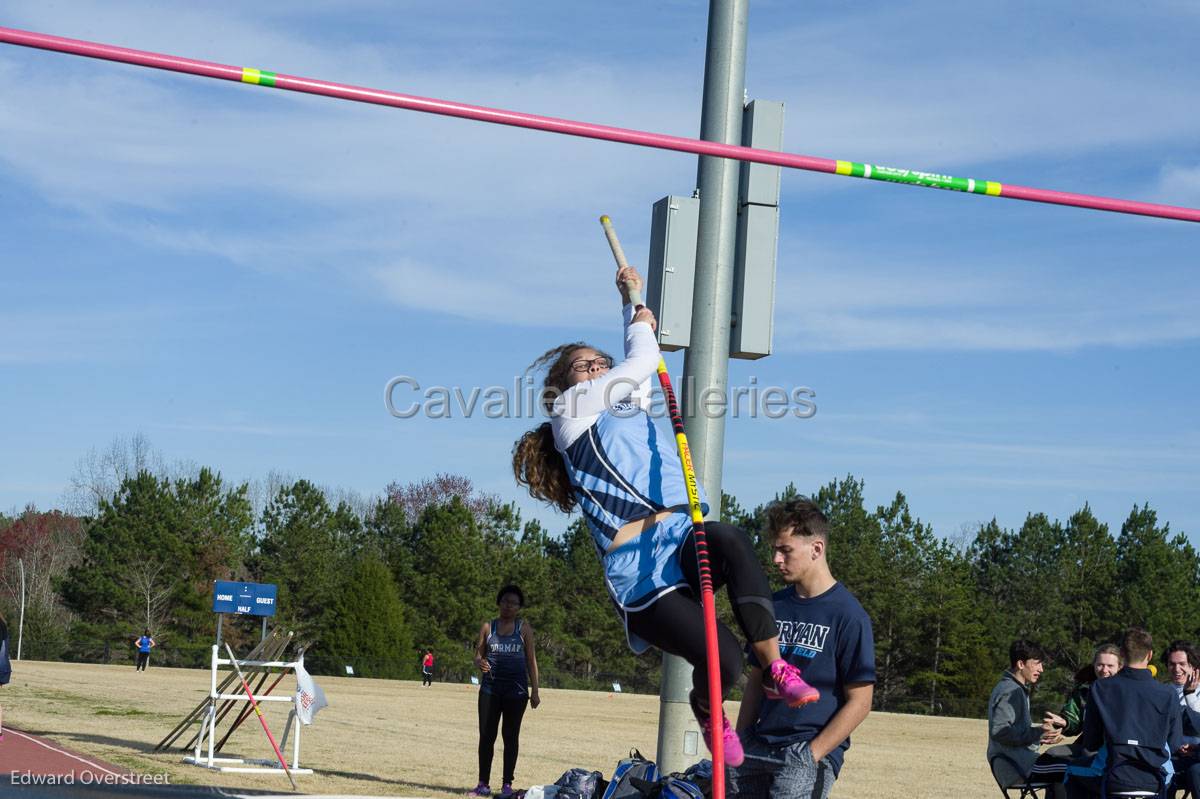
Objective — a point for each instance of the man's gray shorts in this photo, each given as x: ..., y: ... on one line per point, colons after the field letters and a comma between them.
x: 785, y: 771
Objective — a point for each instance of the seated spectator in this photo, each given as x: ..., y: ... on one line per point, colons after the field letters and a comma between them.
x: 1136, y: 720
x: 1183, y: 670
x: 1011, y: 732
x: 1069, y: 721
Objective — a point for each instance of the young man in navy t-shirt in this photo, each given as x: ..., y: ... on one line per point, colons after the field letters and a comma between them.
x: 797, y: 753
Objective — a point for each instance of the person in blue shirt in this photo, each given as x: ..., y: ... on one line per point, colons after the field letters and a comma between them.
x: 603, y: 454
x: 797, y: 753
x: 144, y: 644
x: 506, y: 655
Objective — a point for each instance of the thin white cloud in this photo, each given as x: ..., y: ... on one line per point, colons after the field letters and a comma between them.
x: 266, y: 430
x: 937, y: 101
x: 1180, y: 184
x: 47, y: 336
x: 509, y: 299
x: 887, y: 299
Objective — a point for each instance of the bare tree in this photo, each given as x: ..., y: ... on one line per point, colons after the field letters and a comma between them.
x: 48, y: 544
x: 99, y: 474
x: 262, y: 492
x: 356, y: 501
x: 154, y: 590
x: 414, y: 498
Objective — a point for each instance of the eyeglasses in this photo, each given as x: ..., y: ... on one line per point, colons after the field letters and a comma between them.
x: 585, y: 364
x: 510, y: 603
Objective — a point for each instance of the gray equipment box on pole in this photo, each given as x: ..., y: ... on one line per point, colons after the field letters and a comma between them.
x: 753, y: 309
x: 673, y: 229
x: 672, y: 269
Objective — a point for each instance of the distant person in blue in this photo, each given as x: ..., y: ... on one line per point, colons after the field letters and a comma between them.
x: 144, y: 644
x: 506, y: 655
x: 1137, y: 721
x: 5, y: 665
x: 797, y: 753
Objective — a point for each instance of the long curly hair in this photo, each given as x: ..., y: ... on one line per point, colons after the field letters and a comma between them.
x: 536, y: 463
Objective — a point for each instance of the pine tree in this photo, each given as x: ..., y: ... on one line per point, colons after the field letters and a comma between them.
x: 367, y: 627
x: 299, y: 553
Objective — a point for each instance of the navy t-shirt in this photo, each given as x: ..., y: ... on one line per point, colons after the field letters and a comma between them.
x: 828, y: 637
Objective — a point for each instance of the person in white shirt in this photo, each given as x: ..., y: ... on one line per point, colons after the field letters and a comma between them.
x: 1183, y: 671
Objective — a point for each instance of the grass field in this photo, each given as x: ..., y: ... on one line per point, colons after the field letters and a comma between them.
x: 397, y: 738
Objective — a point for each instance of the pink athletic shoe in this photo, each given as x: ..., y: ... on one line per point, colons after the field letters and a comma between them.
x: 733, y: 745
x: 787, y: 684
x: 734, y: 755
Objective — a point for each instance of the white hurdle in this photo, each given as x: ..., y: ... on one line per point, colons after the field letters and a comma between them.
x: 205, y: 755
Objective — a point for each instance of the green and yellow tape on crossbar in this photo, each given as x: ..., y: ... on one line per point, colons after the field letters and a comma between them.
x: 853, y: 169
x: 259, y: 77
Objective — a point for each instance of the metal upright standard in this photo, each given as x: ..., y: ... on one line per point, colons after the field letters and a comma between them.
x: 706, y: 364
x: 205, y: 751
x: 202, y: 708
x: 273, y: 651
x: 258, y: 692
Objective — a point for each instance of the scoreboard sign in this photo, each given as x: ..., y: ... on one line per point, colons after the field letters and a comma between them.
x: 246, y: 599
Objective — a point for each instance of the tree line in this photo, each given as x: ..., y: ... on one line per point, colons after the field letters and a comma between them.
x: 371, y: 585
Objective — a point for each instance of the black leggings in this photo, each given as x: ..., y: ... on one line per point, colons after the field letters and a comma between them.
x: 143, y: 659
x: 491, y: 709
x: 675, y: 622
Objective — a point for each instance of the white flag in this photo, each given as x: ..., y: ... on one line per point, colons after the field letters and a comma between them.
x: 309, y: 696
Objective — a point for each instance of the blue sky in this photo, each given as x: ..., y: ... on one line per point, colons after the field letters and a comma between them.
x: 236, y: 273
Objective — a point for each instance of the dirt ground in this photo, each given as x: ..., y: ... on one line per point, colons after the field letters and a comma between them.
x: 396, y: 738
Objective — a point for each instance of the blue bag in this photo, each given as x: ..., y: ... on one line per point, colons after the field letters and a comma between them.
x: 695, y: 783
x: 635, y: 777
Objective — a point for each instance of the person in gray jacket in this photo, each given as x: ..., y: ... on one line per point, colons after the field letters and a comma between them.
x: 1013, y: 738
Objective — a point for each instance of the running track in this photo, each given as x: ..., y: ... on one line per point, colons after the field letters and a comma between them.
x: 69, y: 775
x: 22, y: 753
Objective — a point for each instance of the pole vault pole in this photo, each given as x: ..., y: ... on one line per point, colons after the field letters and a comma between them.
x: 261, y: 718
x: 568, y: 127
x: 716, y: 710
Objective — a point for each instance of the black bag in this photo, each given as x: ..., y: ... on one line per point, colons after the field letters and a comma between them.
x: 579, y: 783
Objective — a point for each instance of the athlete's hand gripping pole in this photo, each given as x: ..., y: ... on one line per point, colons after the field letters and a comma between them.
x: 262, y: 720
x: 708, y: 601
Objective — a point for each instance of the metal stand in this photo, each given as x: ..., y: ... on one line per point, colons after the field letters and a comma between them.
x: 204, y: 754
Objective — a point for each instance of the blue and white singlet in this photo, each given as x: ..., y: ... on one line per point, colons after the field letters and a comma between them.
x: 624, y: 466
x: 507, y: 673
